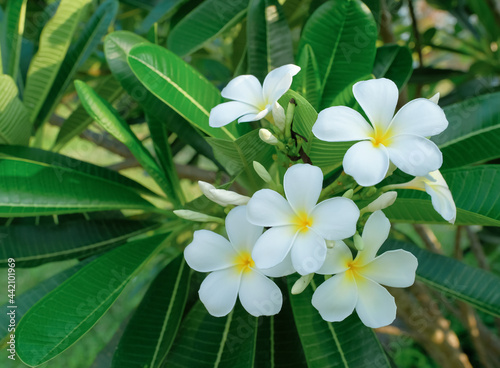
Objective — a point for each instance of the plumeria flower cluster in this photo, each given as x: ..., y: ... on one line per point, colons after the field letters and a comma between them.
x: 297, y: 228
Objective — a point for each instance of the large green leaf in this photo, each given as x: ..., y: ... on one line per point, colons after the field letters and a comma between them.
x: 307, y: 82
x: 475, y: 191
x: 203, y: 23
x: 473, y: 133
x: 269, y: 38
x: 54, y: 43
x: 161, y: 12
x: 14, y: 30
x: 33, y: 188
x: 152, y: 328
x: 342, y: 36
x: 95, y: 29
x: 180, y: 86
x: 104, y: 114
x: 454, y: 278
x: 63, y: 316
x: 15, y: 127
x: 345, y: 344
x: 117, y: 45
x: 393, y: 62
x: 32, y: 245
x: 206, y: 341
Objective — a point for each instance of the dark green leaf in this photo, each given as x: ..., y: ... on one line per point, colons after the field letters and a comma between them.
x: 15, y: 127
x: 161, y: 12
x: 393, y: 62
x: 14, y: 29
x: 307, y: 82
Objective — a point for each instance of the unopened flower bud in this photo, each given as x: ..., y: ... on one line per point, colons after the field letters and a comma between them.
x: 384, y: 201
x: 262, y: 172
x: 221, y: 196
x: 358, y: 242
x: 197, y: 216
x: 301, y: 284
x: 268, y: 137
x: 435, y: 98
x: 330, y: 243
x: 348, y: 194
x: 279, y: 116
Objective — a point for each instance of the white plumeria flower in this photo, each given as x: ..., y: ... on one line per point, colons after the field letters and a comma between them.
x: 400, y: 139
x: 222, y: 196
x: 435, y: 185
x: 233, y: 271
x: 253, y: 101
x: 356, y: 284
x: 299, y: 226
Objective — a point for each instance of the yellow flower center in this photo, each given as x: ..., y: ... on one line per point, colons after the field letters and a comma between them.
x: 381, y: 136
x: 244, y: 262
x: 302, y: 222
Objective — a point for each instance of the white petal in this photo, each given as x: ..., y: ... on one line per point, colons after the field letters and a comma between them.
x: 302, y: 184
x: 244, y: 88
x: 335, y: 218
x: 219, y: 290
x: 414, y: 155
x: 228, y: 112
x: 308, y: 252
x: 209, y: 252
x: 442, y: 201
x: 268, y: 208
x: 279, y: 116
x: 375, y: 306
x: 259, y: 295
x: 435, y: 98
x: 336, y: 298
x: 375, y: 233
x: 254, y: 116
x: 278, y: 81
x: 341, y: 124
x: 284, y: 268
x: 395, y: 268
x: 337, y: 259
x: 420, y: 117
x: 366, y: 164
x: 378, y: 99
x: 242, y: 234
x: 273, y: 246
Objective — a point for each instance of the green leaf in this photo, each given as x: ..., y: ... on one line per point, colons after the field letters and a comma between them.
x: 33, y: 188
x: 342, y: 36
x: 161, y: 12
x: 14, y: 30
x: 104, y: 114
x: 393, y: 62
x: 346, y: 344
x: 33, y: 245
x: 206, y: 341
x: 473, y: 133
x: 486, y: 13
x: 95, y: 29
x: 117, y: 45
x: 307, y: 82
x: 269, y: 38
x: 479, y: 288
x: 204, y: 23
x: 178, y: 85
x: 63, y: 316
x: 79, y: 119
x: 238, y: 156
x: 158, y: 317
x: 54, y: 43
x: 15, y: 127
x: 476, y: 195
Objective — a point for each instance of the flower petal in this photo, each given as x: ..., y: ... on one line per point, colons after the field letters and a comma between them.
x: 420, y: 117
x: 308, y: 252
x: 341, y: 124
x: 337, y: 259
x: 273, y: 246
x: 366, y: 164
x: 375, y: 306
x: 284, y: 268
x: 378, y: 99
x: 242, y: 234
x: 254, y: 116
x: 394, y: 268
x: 302, y: 184
x: 336, y: 298
x: 209, y: 252
x: 335, y: 218
x: 219, y: 290
x: 414, y: 155
x: 278, y: 81
x: 244, y: 88
x: 259, y: 295
x: 228, y: 112
x: 268, y: 208
x: 442, y: 201
x: 375, y: 233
